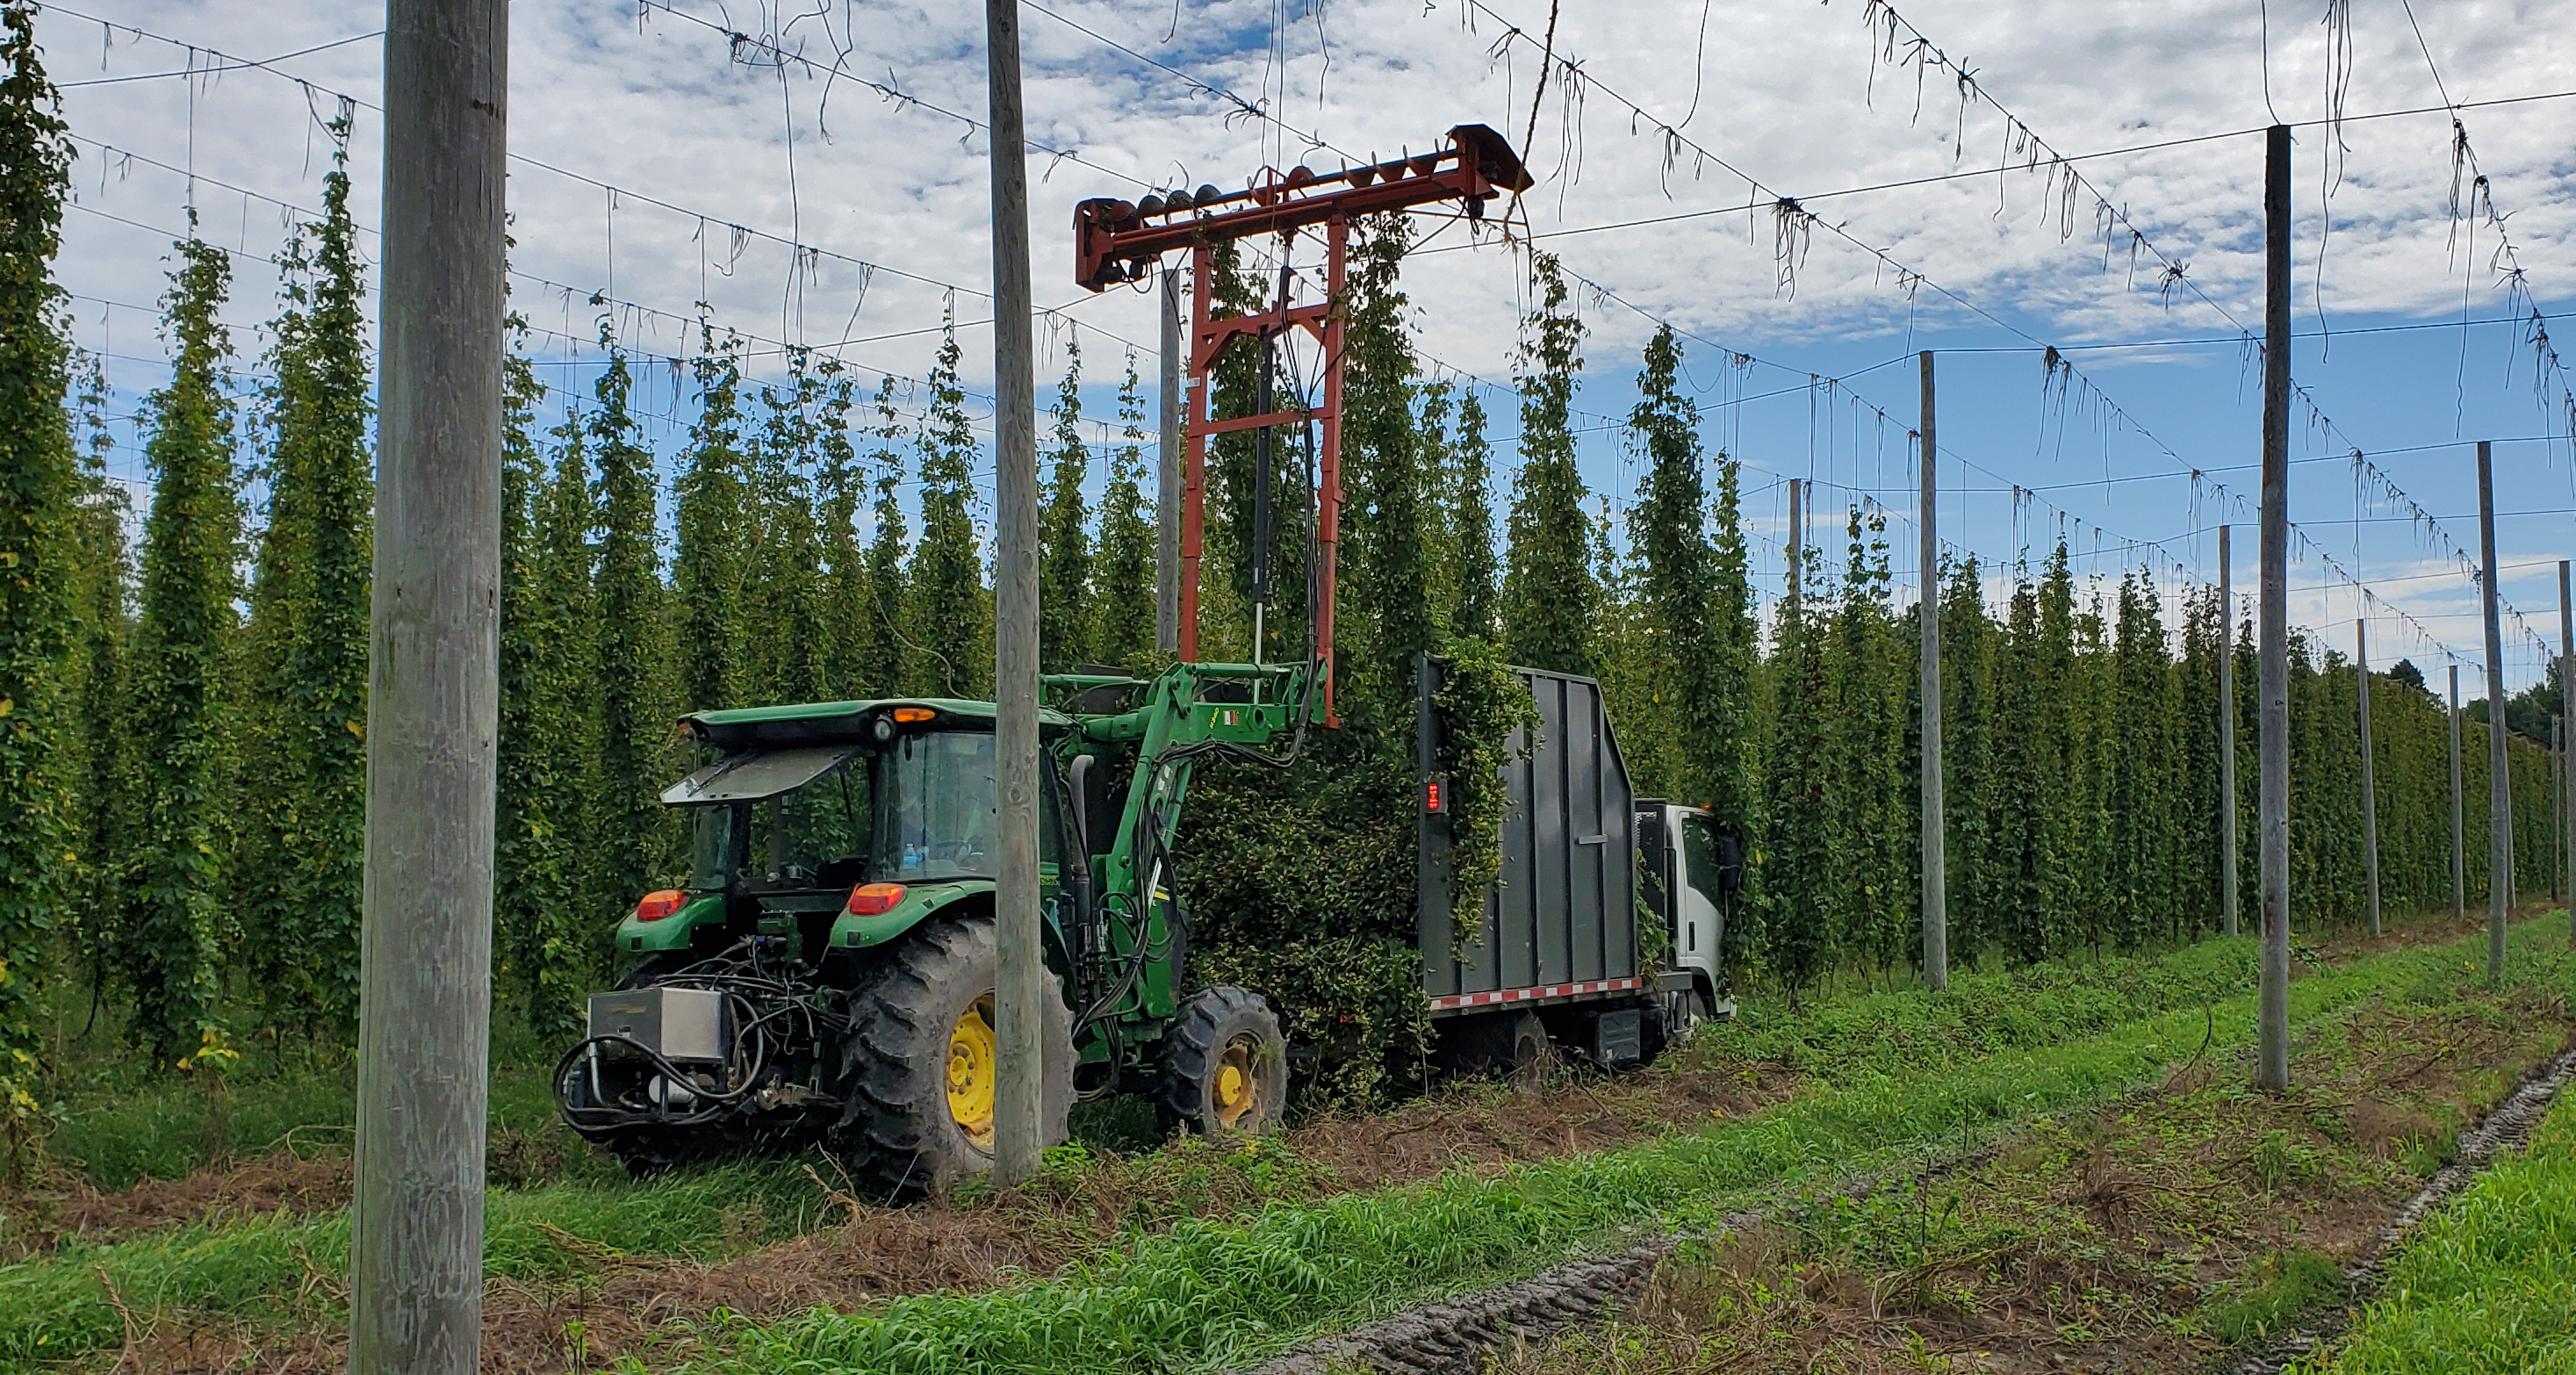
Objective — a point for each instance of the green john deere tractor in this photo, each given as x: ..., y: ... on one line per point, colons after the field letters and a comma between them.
x: 828, y: 972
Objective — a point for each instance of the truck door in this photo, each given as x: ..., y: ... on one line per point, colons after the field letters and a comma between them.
x: 1698, y: 897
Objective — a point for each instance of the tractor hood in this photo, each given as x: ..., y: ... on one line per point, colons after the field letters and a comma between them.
x: 757, y: 774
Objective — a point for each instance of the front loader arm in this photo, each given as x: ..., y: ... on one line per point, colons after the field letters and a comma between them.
x: 1127, y: 955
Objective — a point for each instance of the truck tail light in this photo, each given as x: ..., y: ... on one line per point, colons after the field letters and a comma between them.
x: 874, y: 899
x: 656, y: 906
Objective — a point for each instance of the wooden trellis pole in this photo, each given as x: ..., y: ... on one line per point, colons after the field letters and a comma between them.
x: 2369, y: 771
x: 2272, y: 1068
x: 1936, y: 915
x: 1021, y: 975
x: 1167, y: 488
x: 2499, y: 781
x: 433, y: 700
x: 2459, y: 845
x: 2226, y: 733
x: 2567, y: 748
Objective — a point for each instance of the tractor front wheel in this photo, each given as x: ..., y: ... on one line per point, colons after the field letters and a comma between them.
x: 920, y: 1066
x: 1224, y: 1065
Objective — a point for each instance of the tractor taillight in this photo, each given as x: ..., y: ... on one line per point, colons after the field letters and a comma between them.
x: 874, y: 899
x: 656, y: 906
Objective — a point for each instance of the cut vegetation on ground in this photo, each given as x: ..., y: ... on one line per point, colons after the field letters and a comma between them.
x: 1192, y: 1256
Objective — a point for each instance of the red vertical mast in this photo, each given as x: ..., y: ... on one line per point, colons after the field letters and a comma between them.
x: 1115, y: 240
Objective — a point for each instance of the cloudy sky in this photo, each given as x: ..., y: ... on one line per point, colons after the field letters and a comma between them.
x: 667, y: 155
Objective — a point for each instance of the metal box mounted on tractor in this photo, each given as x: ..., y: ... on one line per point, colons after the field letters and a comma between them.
x: 682, y: 1025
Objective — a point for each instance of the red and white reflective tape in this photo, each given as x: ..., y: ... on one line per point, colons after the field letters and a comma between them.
x: 1530, y: 995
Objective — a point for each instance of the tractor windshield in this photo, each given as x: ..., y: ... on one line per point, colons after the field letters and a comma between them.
x: 936, y: 809
x: 921, y: 809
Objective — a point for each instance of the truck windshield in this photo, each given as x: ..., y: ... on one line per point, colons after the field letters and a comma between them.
x: 1703, y: 868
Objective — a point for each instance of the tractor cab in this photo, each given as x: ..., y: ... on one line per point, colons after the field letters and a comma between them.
x: 817, y: 823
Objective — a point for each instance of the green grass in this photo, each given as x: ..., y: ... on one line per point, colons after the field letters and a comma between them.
x: 173, y: 1130
x: 277, y: 1269
x: 1210, y: 1294
x: 2487, y: 1283
x: 2285, y: 1286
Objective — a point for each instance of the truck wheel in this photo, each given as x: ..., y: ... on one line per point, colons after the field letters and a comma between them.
x: 920, y: 1065
x: 1224, y: 1065
x: 1524, y: 1049
x: 1512, y: 1044
x: 1683, y: 1012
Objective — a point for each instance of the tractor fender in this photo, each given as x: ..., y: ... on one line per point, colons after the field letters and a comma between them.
x: 672, y: 932
x: 964, y: 898
x: 920, y: 902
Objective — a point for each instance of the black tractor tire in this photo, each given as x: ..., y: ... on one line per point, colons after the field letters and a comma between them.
x: 1224, y: 1065
x: 909, y: 1034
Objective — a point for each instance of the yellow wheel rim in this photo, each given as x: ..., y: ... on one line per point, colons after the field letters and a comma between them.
x: 973, y: 1052
x: 1236, y: 1086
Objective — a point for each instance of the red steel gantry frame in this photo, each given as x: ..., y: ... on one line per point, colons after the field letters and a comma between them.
x: 1115, y: 240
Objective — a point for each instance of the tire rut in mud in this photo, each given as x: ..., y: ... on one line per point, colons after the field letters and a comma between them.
x: 1453, y: 1336
x: 2509, y: 1126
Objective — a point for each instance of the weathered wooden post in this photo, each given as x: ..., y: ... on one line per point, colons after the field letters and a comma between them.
x: 2459, y: 851
x: 1936, y: 913
x: 2272, y: 1069
x: 2226, y: 732
x: 1167, y: 487
x: 2499, y: 780
x: 2567, y: 748
x: 1020, y: 973
x: 2369, y: 771
x: 433, y: 700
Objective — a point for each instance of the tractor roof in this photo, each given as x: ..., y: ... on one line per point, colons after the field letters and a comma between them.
x: 824, y: 723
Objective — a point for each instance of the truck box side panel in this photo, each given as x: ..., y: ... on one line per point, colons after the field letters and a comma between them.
x: 1545, y: 789
x: 1564, y: 908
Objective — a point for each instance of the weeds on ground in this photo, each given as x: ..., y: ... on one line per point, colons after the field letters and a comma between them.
x: 2153, y: 1234
x: 2484, y: 1285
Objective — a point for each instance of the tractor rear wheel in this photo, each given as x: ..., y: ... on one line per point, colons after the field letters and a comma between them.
x: 1224, y: 1065
x: 919, y: 1068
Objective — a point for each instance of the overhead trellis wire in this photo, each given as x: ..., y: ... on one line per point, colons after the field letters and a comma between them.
x: 623, y: 192
x: 1896, y: 41
x: 2062, y: 372
x: 2478, y: 207
x: 838, y: 70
